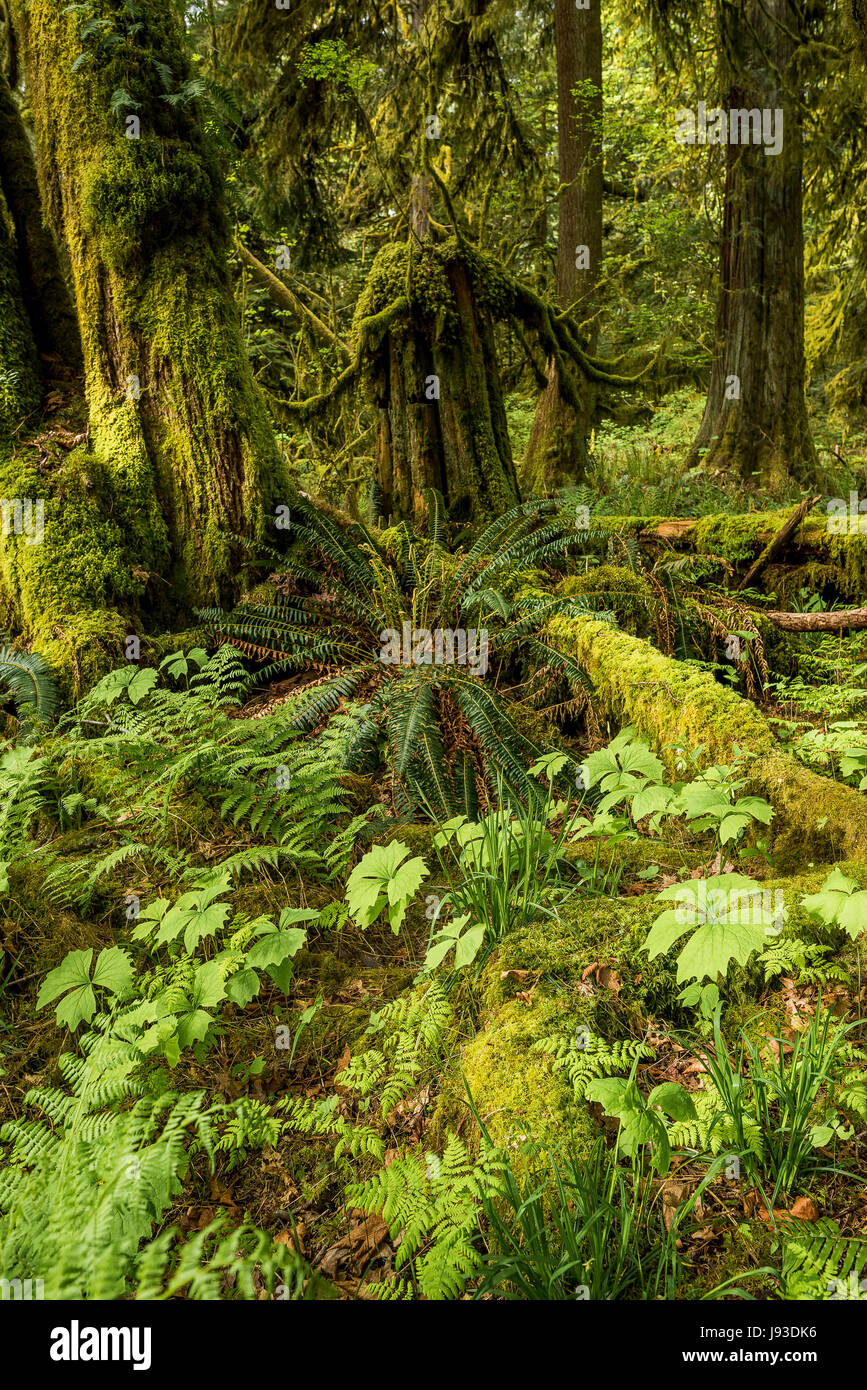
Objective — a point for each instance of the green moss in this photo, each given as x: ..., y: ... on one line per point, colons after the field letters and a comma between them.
x: 678, y: 706
x: 617, y: 589
x: 192, y: 459
x: 143, y: 193
x: 82, y: 647
x: 417, y: 838
x: 430, y: 295
x: 514, y: 1089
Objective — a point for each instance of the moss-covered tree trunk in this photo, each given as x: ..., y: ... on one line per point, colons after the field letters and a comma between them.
x: 755, y: 418
x: 441, y: 419
x: 43, y: 288
x: 20, y: 379
x: 132, y: 187
x: 557, y: 448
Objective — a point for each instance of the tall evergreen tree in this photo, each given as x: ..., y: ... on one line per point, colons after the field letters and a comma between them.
x: 557, y: 451
x: 755, y: 418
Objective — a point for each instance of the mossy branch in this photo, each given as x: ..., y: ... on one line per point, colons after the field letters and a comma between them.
x: 371, y: 331
x: 288, y: 299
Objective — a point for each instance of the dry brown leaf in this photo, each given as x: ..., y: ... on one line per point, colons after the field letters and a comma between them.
x: 364, y: 1239
x: 802, y: 1209
x: 675, y: 1191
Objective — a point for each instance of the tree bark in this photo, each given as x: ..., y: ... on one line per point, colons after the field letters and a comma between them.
x: 441, y: 418
x: 755, y: 418
x: 819, y: 622
x: 130, y: 184
x: 44, y: 290
x: 557, y: 448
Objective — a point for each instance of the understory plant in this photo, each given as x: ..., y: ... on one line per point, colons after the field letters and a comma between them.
x: 369, y: 633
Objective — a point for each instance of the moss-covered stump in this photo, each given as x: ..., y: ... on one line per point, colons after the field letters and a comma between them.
x: 677, y: 706
x: 537, y: 986
x: 441, y: 422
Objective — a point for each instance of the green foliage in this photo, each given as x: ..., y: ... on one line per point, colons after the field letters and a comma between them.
x: 807, y: 961
x: 729, y: 922
x: 819, y: 1262
x: 572, y: 1227
x: 29, y: 680
x: 642, y: 1120
x: 503, y: 869
x: 585, y: 1057
x: 841, y: 901
x: 768, y: 1105
x: 84, y: 1188
x: 432, y: 1203
x: 408, y: 1033
x: 402, y: 584
x: 384, y: 876
x: 113, y: 972
x: 256, y: 772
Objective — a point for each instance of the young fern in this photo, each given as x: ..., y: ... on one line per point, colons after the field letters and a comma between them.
x: 583, y: 1057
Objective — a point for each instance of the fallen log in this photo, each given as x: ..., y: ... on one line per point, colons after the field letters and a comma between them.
x: 679, y: 708
x: 819, y: 622
x: 778, y: 544
x: 736, y: 539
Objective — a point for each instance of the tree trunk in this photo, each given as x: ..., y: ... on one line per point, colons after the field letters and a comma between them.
x: 441, y: 418
x: 44, y: 290
x: 131, y: 186
x: 557, y: 448
x: 20, y: 377
x: 755, y: 418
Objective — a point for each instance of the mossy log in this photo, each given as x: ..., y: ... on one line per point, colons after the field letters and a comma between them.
x: 837, y: 556
x: 678, y: 706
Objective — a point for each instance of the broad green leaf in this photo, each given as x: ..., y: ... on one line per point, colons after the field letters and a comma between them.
x: 209, y: 986
x: 74, y: 969
x: 755, y: 807
x: 673, y: 1100
x: 204, y: 923
x: 437, y: 953
x: 703, y: 799
x: 637, y: 757
x: 468, y: 946
x: 711, y: 948
x: 732, y: 826
x: 141, y: 683
x: 282, y: 974
x: 667, y: 929
x: 407, y: 880
x: 276, y: 947
x: 78, y: 1007
x: 853, y: 914
x: 650, y: 799
x: 243, y: 987
x: 113, y: 970
x: 831, y: 898
x: 193, y: 1026
x: 290, y: 915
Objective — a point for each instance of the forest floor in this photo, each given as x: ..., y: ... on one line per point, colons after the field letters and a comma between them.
x: 397, y: 1120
